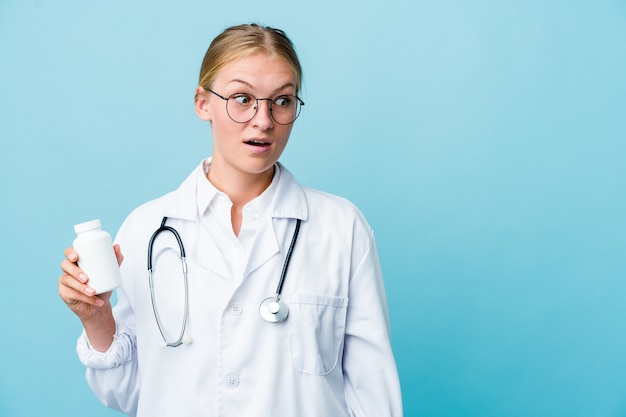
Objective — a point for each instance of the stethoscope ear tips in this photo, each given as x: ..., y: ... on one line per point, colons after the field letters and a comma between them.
x: 187, y: 340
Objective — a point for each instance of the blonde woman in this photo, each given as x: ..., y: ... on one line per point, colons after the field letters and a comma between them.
x: 264, y: 297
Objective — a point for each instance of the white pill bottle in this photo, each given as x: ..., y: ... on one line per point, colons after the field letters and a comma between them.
x: 96, y: 256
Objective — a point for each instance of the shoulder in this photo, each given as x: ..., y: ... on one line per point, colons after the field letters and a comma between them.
x: 151, y: 208
x: 318, y: 199
x: 340, y: 213
x: 180, y: 203
x: 321, y: 207
x: 145, y: 217
x: 337, y: 226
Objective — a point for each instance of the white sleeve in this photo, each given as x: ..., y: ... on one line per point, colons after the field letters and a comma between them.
x: 120, y: 352
x: 370, y: 373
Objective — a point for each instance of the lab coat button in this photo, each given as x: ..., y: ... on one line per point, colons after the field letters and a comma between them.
x: 236, y: 310
x: 232, y: 381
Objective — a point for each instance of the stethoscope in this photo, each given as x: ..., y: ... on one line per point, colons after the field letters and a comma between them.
x: 273, y: 309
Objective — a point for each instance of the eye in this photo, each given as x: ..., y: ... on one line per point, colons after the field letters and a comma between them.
x: 283, y: 101
x: 242, y: 99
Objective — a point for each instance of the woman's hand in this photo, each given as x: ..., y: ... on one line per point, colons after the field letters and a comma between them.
x: 94, y: 311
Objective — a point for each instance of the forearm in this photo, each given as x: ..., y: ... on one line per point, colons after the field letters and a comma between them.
x: 100, y: 328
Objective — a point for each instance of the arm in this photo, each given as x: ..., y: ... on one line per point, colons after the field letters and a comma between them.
x: 370, y: 374
x: 107, y: 345
x: 113, y: 375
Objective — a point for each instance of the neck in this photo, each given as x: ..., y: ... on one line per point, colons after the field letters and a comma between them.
x: 240, y: 188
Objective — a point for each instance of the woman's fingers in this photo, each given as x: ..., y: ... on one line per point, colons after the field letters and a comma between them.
x: 118, y: 254
x: 70, y: 265
x: 70, y: 281
x: 73, y: 290
x: 74, y: 287
x: 73, y: 270
x: 71, y: 254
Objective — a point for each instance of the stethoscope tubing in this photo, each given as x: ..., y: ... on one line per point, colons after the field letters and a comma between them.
x: 183, y: 259
x: 283, y: 273
x: 273, y: 311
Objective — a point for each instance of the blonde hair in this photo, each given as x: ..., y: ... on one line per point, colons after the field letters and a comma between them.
x: 241, y: 41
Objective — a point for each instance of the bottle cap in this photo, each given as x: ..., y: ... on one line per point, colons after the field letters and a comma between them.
x: 90, y: 225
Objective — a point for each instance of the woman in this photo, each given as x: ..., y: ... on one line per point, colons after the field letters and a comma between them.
x: 319, y: 343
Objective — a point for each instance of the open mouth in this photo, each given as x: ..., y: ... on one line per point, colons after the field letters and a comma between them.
x: 259, y: 143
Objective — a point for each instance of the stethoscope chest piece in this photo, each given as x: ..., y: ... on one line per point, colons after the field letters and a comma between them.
x: 273, y: 310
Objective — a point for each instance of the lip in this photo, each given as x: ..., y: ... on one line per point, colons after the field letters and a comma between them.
x: 258, y: 145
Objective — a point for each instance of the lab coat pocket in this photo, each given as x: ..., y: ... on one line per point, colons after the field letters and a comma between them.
x: 316, y: 330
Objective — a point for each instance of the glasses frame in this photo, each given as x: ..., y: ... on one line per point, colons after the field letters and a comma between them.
x: 256, y: 106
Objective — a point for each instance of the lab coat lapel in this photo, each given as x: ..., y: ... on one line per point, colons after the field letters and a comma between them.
x: 265, y: 246
x: 206, y: 252
x: 183, y: 204
x: 274, y: 234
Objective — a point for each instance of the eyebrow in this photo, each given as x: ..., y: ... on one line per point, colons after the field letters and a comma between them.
x: 282, y: 87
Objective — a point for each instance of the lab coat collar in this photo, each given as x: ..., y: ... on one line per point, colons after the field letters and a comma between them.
x: 289, y: 202
x: 289, y: 199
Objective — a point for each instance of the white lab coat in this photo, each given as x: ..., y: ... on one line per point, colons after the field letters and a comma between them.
x: 331, y: 357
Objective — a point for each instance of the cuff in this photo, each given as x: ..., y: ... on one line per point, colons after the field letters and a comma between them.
x: 120, y: 352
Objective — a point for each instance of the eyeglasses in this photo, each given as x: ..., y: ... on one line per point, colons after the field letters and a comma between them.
x: 242, y: 107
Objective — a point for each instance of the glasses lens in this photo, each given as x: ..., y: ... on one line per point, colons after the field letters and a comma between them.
x: 285, y: 109
x: 241, y: 107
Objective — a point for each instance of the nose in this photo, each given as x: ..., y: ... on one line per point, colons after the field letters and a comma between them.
x: 263, y: 117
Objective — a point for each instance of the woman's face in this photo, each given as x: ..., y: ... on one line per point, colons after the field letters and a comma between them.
x: 255, y: 146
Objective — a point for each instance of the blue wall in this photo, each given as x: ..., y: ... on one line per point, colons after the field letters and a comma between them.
x: 484, y: 141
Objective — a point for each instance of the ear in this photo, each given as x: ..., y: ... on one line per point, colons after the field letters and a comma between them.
x: 202, y: 105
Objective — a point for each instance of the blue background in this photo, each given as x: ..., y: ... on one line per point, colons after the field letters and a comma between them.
x: 484, y: 141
